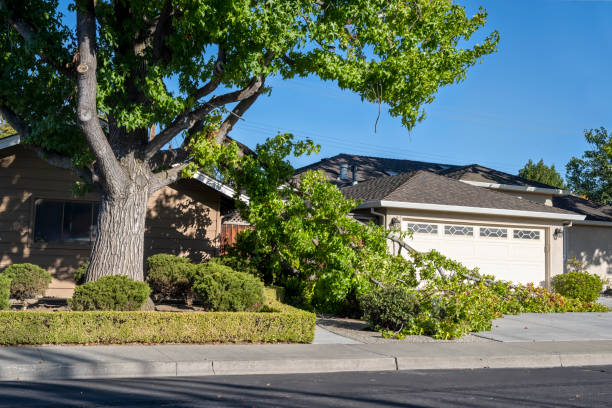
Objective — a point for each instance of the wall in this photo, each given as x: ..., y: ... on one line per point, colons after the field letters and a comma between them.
x: 592, y: 245
x: 182, y: 218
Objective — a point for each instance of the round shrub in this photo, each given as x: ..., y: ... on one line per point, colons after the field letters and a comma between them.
x: 79, y: 273
x: 27, y: 280
x: 578, y: 285
x: 170, y: 276
x: 5, y: 292
x: 390, y: 308
x: 222, y: 289
x: 116, y: 292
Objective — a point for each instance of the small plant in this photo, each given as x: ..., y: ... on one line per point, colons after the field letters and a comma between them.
x: 170, y: 276
x: 79, y: 273
x: 578, y: 285
x: 116, y: 292
x: 5, y: 292
x: 222, y: 289
x: 391, y: 308
x: 27, y: 280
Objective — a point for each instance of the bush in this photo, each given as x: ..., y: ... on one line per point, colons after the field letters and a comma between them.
x: 390, y: 308
x: 27, y: 280
x: 578, y: 285
x: 170, y: 276
x: 237, y: 263
x: 222, y: 289
x: 79, y: 273
x: 5, y: 292
x: 282, y: 323
x: 110, y: 293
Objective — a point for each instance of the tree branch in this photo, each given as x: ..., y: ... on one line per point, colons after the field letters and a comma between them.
x: 15, y: 121
x: 87, y: 112
x: 167, y: 177
x: 236, y: 114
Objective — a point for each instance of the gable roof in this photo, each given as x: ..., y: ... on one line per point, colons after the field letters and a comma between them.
x: 593, y: 211
x: 371, y: 167
x: 428, y: 190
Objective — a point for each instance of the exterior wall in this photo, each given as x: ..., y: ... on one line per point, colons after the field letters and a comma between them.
x: 553, y: 247
x: 182, y: 219
x: 592, y: 245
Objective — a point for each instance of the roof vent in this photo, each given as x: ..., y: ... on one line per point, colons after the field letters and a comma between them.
x: 354, y: 172
x: 343, y: 172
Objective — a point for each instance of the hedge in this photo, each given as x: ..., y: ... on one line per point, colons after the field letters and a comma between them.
x: 280, y: 323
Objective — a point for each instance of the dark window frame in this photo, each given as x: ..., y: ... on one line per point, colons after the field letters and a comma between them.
x: 64, y: 242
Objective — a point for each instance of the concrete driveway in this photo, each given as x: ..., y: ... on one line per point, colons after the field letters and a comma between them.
x: 552, y: 327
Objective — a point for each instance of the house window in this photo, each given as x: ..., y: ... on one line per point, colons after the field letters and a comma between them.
x: 526, y: 234
x: 423, y: 228
x: 459, y: 230
x: 493, y: 232
x: 65, y: 221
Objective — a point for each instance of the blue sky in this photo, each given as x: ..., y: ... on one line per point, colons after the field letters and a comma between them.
x: 532, y: 99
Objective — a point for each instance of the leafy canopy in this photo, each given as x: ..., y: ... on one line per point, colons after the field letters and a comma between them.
x: 591, y: 174
x: 542, y: 174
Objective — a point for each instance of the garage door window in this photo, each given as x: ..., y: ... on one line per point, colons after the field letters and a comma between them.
x: 459, y: 230
x: 423, y: 228
x: 526, y: 234
x: 493, y: 232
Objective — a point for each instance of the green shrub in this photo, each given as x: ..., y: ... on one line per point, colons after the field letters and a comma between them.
x: 27, y: 280
x: 5, y: 292
x: 110, y: 293
x: 222, y: 289
x: 237, y: 263
x: 281, y: 323
x: 390, y: 308
x: 170, y: 276
x: 578, y: 285
x: 79, y: 273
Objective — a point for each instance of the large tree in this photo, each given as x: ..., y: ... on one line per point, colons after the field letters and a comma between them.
x: 591, y: 174
x: 88, y: 96
x: 542, y: 173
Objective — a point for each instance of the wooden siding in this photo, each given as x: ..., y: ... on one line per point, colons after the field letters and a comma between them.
x: 229, y: 232
x: 182, y: 219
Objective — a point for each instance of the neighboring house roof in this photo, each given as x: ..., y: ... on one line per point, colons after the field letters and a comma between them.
x: 593, y: 211
x: 478, y: 173
x: 426, y: 190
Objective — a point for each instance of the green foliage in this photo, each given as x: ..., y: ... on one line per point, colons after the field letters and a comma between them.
x: 5, y: 291
x: 170, y: 276
x: 79, y: 273
x: 542, y: 174
x: 237, y: 263
x: 222, y: 289
x: 591, y: 175
x: 27, y: 280
x: 280, y: 323
x: 5, y: 129
x: 390, y: 308
x: 578, y: 285
x: 116, y: 292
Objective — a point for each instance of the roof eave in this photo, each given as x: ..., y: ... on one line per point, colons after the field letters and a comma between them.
x: 594, y: 223
x: 471, y: 210
x: 220, y: 187
x: 10, y: 141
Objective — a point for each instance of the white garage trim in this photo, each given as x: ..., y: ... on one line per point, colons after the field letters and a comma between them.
x: 472, y: 210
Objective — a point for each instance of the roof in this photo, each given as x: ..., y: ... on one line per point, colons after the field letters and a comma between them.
x: 428, y: 188
x: 593, y: 211
x: 372, y: 167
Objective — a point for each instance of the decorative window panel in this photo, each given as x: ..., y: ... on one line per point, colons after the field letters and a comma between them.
x: 526, y: 234
x: 423, y: 228
x: 459, y: 230
x: 493, y: 232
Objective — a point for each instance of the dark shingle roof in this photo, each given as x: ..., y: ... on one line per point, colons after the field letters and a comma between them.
x: 429, y: 188
x: 593, y: 211
x: 372, y: 167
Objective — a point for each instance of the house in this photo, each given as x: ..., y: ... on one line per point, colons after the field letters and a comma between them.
x: 41, y: 222
x: 510, y: 227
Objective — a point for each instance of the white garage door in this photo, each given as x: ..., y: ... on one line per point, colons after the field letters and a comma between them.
x: 508, y: 253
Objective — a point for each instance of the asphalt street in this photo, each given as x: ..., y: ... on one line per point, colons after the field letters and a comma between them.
x: 552, y: 387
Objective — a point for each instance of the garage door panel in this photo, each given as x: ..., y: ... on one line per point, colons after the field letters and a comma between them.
x: 523, y: 251
x: 491, y: 251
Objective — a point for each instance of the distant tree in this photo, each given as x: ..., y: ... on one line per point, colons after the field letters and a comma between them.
x: 542, y: 174
x: 591, y: 175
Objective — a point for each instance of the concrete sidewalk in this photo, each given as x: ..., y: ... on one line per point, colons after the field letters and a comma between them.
x: 76, y: 362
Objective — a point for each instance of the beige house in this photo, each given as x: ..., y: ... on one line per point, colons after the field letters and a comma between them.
x: 512, y: 228
x: 41, y: 222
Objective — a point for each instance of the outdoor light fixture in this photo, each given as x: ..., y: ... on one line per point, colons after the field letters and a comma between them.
x: 558, y: 232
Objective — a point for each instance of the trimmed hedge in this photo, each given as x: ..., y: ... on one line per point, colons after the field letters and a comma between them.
x: 117, y: 292
x: 282, y: 323
x: 222, y: 289
x: 5, y: 292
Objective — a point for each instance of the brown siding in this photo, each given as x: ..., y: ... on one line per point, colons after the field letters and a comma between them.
x: 181, y: 219
x: 229, y: 232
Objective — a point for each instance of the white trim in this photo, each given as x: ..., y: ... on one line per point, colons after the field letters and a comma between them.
x: 472, y: 210
x: 594, y: 223
x: 220, y: 187
x: 512, y: 187
x: 9, y: 141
